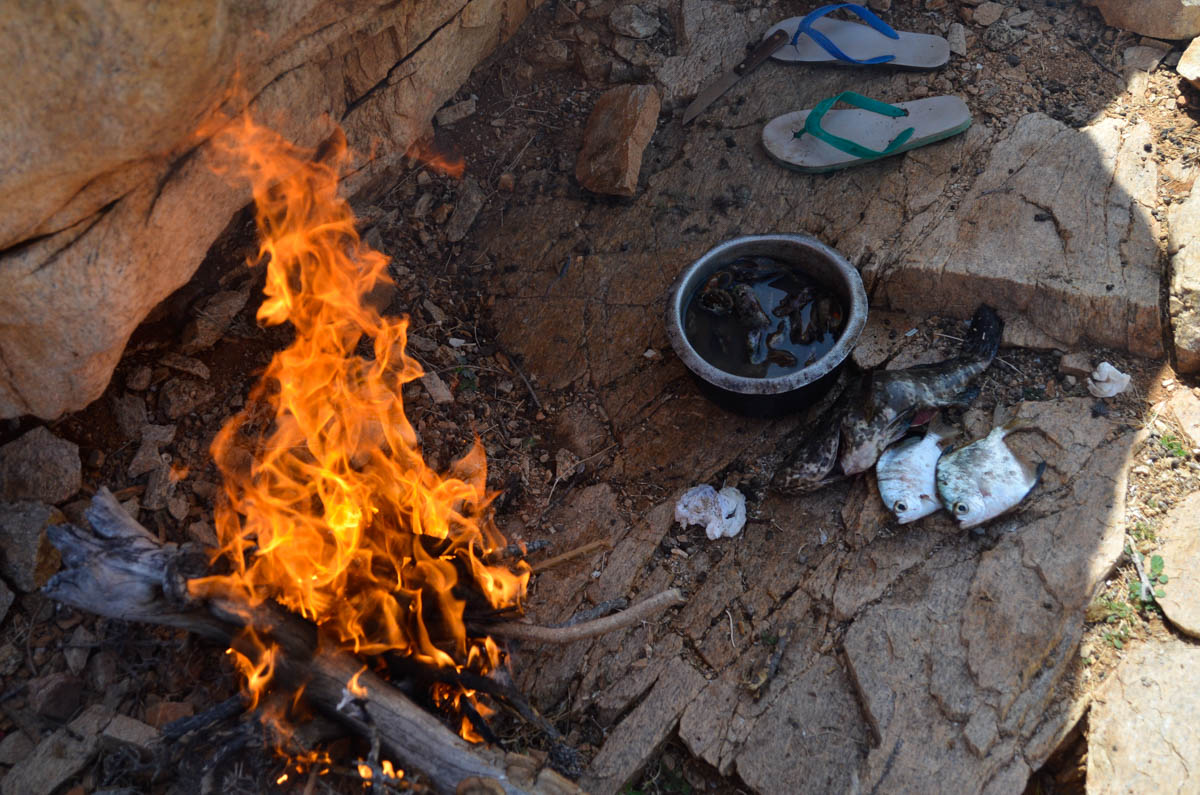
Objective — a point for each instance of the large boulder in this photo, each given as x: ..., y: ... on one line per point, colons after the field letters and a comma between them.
x: 1162, y: 19
x: 112, y: 196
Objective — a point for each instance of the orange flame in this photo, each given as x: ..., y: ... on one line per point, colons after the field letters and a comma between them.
x: 337, y: 517
x: 425, y: 153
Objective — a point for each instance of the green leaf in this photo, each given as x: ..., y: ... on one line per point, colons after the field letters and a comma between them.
x: 1160, y: 593
x: 1117, y: 642
x: 1162, y: 578
x: 1156, y: 565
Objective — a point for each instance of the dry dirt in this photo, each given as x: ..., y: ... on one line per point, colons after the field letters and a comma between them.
x: 531, y: 111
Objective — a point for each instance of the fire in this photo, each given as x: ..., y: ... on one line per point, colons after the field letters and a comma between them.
x: 434, y: 160
x: 330, y: 509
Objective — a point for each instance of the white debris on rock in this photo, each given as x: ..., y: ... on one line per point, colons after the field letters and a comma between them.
x: 1107, y: 381
x: 722, y: 513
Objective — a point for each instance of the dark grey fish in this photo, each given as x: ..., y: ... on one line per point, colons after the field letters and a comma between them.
x: 888, y: 400
x: 792, y: 303
x: 754, y: 320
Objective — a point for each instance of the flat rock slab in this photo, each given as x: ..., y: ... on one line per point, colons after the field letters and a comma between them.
x: 1143, y: 735
x: 1184, y: 299
x: 1180, y: 549
x: 1058, y: 229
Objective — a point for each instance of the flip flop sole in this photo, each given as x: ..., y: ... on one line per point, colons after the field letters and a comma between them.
x: 932, y: 119
x: 912, y: 50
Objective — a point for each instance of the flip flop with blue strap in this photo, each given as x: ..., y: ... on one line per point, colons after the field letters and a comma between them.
x: 821, y: 39
x: 822, y: 139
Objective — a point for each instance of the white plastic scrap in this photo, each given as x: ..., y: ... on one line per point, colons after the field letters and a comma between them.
x: 722, y: 513
x: 1107, y: 381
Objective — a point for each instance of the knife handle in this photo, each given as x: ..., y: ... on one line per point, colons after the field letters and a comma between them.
x: 762, y: 52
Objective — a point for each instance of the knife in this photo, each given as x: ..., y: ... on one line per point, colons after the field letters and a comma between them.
x: 754, y: 60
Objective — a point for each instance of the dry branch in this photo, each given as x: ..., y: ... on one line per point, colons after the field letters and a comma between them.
x: 590, y: 629
x: 120, y: 570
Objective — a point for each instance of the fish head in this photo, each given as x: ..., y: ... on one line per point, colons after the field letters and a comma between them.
x: 970, y: 511
x: 910, y: 508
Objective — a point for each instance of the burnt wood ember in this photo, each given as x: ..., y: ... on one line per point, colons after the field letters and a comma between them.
x: 120, y: 570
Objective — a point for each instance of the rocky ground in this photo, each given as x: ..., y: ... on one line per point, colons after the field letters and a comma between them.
x: 824, y: 644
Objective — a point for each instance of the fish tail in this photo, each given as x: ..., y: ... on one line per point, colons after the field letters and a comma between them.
x: 983, y: 337
x: 965, y: 398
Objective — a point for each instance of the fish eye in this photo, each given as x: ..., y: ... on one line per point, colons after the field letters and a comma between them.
x: 900, y: 506
x: 960, y: 508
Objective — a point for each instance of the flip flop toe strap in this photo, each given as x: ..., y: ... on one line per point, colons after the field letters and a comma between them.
x: 812, y: 125
x: 805, y: 27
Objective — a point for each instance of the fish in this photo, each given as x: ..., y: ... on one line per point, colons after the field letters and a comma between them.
x: 810, y: 465
x: 754, y: 320
x: 984, y: 479
x: 906, y: 472
x: 888, y: 400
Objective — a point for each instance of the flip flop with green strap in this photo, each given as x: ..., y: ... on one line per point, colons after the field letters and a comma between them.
x: 822, y: 139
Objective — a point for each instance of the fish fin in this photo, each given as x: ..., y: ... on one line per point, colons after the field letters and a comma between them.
x: 983, y: 337
x: 1019, y: 424
x: 923, y: 416
x: 940, y: 427
x: 1041, y: 470
x: 964, y: 398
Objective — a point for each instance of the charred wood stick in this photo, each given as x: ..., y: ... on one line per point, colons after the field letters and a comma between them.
x: 570, y: 554
x: 120, y: 570
x: 590, y: 629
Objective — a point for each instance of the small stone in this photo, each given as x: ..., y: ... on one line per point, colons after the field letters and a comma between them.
x: 563, y: 15
x: 1143, y: 58
x: 1189, y: 63
x: 1077, y: 364
x: 186, y: 364
x: 14, y: 747
x: 164, y: 712
x: 139, y: 379
x: 566, y: 464
x: 178, y: 507
x: 435, y: 312
x: 1021, y: 18
x: 56, y: 759
x: 211, y: 319
x: 507, y: 182
x: 123, y: 730
x: 1000, y: 36
x: 437, y: 389
x: 148, y: 457
x: 442, y: 213
x: 55, y: 696
x: 103, y: 670
x: 880, y: 5
x: 78, y: 649
x: 422, y: 344
x: 40, y: 466
x: 181, y: 396
x: 618, y: 130
x: 130, y: 412
x: 160, y: 486
x: 935, y: 5
x: 470, y: 201
x: 957, y: 38
x: 552, y: 53
x: 988, y: 13
x: 456, y: 112
x: 27, y: 558
x: 202, y: 533
x: 630, y: 20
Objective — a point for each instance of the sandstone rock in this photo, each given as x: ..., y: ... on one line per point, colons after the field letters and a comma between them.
x: 436, y: 387
x: 14, y: 747
x: 58, y: 757
x: 123, y: 730
x: 181, y: 396
x: 212, y: 318
x: 55, y: 696
x: 1162, y: 19
x: 27, y: 558
x: 1180, y: 549
x: 1078, y: 364
x: 1184, y: 298
x: 470, y: 201
x: 1058, y: 229
x: 1189, y: 65
x: 119, y: 204
x: 988, y: 13
x: 130, y: 412
x: 39, y: 466
x: 630, y: 20
x: 618, y: 130
x: 1142, y: 731
x: 139, y: 379
x: 455, y: 113
x: 185, y: 364
x: 78, y: 649
x: 148, y: 458
x: 1143, y: 58
x: 957, y: 37
x: 1185, y: 405
x: 999, y: 36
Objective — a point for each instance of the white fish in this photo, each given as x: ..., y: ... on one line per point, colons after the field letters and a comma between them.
x: 906, y: 473
x: 984, y: 479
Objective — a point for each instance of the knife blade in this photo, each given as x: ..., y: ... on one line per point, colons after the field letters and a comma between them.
x: 722, y: 84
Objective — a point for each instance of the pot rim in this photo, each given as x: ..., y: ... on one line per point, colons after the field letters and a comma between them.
x: 856, y: 315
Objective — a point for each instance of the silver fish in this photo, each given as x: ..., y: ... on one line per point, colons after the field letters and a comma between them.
x: 905, y: 473
x: 984, y: 479
x: 889, y: 400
